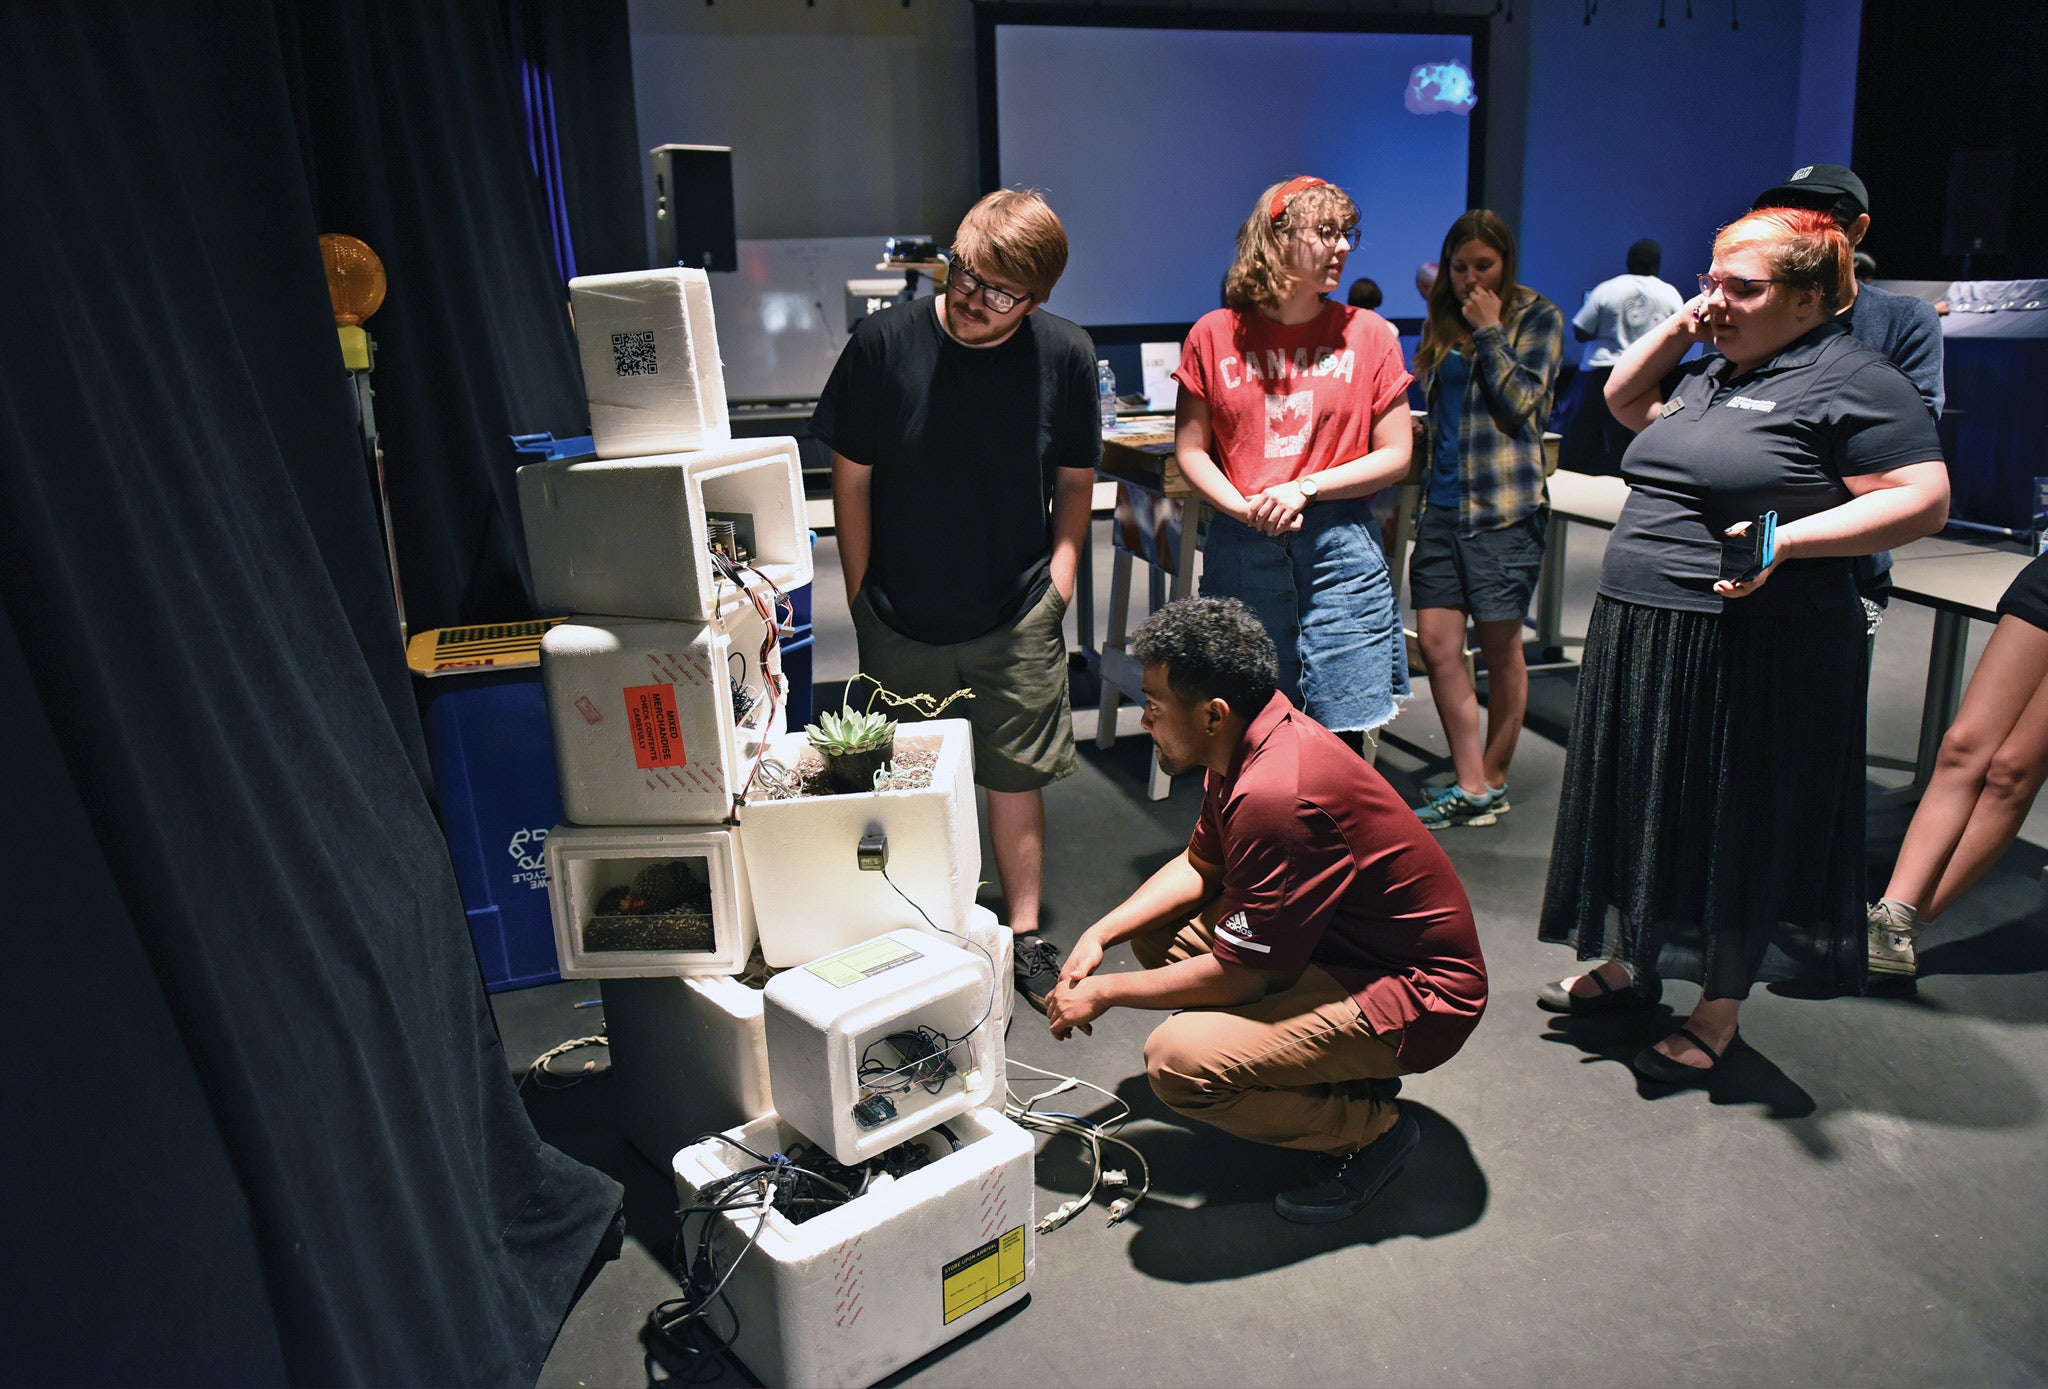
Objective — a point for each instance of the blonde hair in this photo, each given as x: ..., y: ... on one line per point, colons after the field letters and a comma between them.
x: 1014, y: 235
x: 1259, y: 277
x: 1446, y: 328
x: 1805, y: 249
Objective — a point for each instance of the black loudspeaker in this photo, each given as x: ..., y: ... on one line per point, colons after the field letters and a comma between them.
x: 693, y: 215
x: 1979, y: 206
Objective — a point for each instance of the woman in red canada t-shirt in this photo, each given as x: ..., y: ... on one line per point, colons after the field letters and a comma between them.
x: 1293, y: 411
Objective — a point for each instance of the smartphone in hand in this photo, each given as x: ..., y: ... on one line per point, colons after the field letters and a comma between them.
x: 1745, y: 556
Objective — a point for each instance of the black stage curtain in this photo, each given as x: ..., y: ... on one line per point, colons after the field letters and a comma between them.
x: 410, y: 122
x: 587, y: 49
x: 266, y: 1131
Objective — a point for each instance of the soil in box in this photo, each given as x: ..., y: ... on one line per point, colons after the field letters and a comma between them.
x: 666, y: 907
x: 913, y: 771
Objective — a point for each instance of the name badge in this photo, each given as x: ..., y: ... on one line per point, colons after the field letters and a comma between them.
x: 1671, y: 407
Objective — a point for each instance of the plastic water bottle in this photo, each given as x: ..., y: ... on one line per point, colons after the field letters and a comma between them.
x: 1105, y: 390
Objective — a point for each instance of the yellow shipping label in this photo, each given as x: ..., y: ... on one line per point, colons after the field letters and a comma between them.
x: 849, y: 967
x: 986, y: 1273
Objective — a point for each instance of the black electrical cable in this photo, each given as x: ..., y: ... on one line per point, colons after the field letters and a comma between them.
x: 875, y: 1076
x: 993, y: 983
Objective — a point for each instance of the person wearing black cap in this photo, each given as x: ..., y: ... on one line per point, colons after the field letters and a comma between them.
x: 1615, y: 314
x: 1905, y: 330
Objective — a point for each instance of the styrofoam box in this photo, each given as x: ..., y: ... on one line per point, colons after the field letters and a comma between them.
x: 688, y: 1057
x: 863, y: 1289
x: 826, y: 1017
x: 812, y: 896
x: 649, y: 345
x: 584, y: 863
x: 629, y: 536
x: 642, y: 715
x: 982, y: 928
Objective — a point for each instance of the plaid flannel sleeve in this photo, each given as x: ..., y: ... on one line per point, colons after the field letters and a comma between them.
x: 1514, y: 369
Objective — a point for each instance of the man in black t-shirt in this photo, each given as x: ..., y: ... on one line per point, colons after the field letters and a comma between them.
x: 965, y: 433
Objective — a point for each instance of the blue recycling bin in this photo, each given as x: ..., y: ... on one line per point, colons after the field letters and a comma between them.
x: 493, y: 759
x: 796, y: 669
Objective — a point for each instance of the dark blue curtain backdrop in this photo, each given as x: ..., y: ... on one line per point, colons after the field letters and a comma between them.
x: 267, y: 1133
x: 543, y: 145
x: 575, y: 64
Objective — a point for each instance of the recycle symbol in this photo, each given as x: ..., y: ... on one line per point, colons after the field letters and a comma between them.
x: 520, y: 840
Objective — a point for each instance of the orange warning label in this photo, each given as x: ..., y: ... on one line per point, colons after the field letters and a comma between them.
x: 656, y: 728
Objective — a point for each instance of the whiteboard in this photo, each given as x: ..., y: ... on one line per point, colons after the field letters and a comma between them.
x: 782, y: 315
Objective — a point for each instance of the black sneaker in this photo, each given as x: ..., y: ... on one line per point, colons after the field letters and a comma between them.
x: 1350, y: 1181
x: 1035, y: 969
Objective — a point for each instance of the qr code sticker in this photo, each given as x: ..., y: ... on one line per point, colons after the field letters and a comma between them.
x: 633, y: 354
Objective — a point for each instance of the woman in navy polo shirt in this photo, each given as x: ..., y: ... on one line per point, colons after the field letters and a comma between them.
x: 1711, y: 822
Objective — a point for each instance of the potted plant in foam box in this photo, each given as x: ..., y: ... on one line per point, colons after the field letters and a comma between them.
x: 854, y: 746
x: 811, y: 896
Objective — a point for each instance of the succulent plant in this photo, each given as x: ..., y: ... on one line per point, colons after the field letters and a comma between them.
x: 847, y: 731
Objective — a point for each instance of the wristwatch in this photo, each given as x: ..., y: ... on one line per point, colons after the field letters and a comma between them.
x: 1308, y: 490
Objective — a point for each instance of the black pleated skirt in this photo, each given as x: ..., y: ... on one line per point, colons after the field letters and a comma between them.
x: 1711, y: 822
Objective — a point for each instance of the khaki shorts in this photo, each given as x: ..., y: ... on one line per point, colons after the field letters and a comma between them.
x: 1023, y: 725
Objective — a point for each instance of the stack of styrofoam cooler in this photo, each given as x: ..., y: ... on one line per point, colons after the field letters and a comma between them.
x: 640, y: 685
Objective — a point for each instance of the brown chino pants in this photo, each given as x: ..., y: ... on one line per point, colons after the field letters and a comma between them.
x: 1277, y: 1070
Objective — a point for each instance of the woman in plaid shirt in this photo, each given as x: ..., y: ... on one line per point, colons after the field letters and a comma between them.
x: 1489, y: 360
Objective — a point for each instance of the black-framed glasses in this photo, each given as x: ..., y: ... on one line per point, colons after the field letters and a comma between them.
x: 1733, y: 286
x: 998, y: 300
x: 1330, y: 234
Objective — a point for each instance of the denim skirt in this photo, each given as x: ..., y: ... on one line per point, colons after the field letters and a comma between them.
x: 1324, y: 594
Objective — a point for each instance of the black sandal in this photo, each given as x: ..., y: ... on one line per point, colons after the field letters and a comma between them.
x: 1558, y: 998
x: 1652, y: 1064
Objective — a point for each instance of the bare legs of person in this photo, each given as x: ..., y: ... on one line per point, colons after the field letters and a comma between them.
x: 1991, y: 766
x: 1482, y: 764
x: 1016, y: 827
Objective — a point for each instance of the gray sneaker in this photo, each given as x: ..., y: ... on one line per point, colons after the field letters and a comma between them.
x: 1892, y: 930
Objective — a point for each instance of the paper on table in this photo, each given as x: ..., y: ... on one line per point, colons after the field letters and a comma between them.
x: 1159, y: 359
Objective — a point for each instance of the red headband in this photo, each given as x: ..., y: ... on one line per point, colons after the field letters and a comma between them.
x: 1289, y: 191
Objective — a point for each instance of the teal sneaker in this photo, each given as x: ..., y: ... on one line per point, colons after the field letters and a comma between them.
x: 1450, y: 805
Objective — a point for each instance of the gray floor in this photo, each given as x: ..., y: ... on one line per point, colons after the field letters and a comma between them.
x: 1857, y: 1200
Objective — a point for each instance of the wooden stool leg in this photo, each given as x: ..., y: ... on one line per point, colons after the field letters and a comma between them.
x: 1113, y: 641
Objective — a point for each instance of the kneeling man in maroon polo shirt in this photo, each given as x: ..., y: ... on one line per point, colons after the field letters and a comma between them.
x: 1315, y: 939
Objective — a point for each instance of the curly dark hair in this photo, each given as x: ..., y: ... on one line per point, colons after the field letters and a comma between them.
x: 1212, y: 648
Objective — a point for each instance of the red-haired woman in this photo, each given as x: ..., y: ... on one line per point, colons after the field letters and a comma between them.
x: 1711, y: 822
